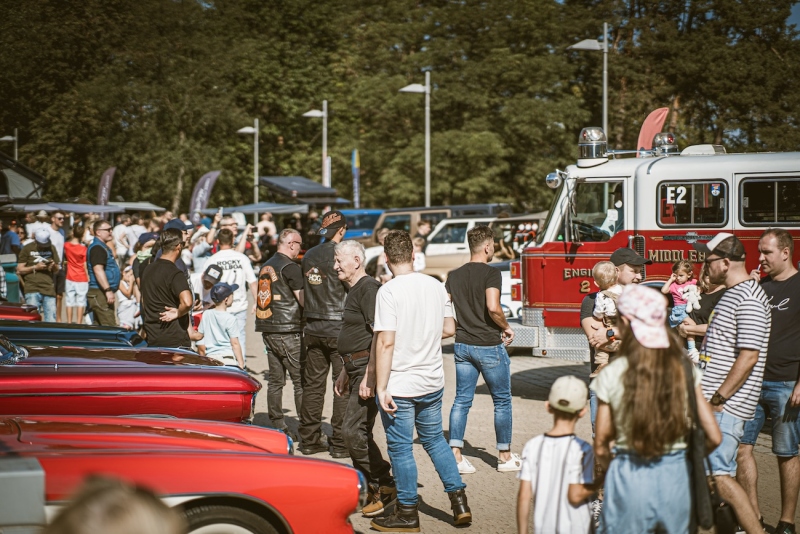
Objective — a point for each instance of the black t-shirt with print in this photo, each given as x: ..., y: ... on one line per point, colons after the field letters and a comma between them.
x: 783, y: 353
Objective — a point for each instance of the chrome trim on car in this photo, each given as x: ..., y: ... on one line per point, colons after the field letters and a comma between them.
x: 363, y: 489
x: 122, y: 394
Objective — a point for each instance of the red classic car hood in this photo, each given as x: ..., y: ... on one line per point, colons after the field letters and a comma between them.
x: 99, y: 435
x: 113, y: 357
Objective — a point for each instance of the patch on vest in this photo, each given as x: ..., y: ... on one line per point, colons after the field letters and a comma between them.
x: 264, y: 294
x: 314, y: 276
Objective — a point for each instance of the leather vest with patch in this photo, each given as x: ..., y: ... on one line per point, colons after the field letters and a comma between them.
x: 323, y: 292
x: 277, y: 309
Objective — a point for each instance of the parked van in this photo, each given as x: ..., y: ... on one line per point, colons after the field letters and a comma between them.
x: 406, y: 219
x: 361, y: 224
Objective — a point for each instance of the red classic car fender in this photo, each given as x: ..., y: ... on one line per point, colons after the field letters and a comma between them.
x: 202, y: 472
x: 213, y: 393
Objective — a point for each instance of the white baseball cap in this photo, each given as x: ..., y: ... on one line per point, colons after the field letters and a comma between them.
x: 568, y: 394
x: 42, y: 236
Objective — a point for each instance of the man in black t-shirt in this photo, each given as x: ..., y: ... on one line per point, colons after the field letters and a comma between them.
x: 780, y: 391
x: 166, y: 296
x: 482, y: 334
x: 355, y: 342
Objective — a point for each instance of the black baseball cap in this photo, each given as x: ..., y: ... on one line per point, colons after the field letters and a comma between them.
x: 627, y: 256
x: 178, y: 225
x: 331, y: 221
x: 724, y: 245
x: 212, y: 274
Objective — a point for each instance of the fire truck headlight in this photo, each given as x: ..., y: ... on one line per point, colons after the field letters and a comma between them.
x: 553, y: 180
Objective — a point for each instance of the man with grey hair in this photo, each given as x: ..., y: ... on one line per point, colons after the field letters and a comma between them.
x: 355, y: 342
x: 279, y: 317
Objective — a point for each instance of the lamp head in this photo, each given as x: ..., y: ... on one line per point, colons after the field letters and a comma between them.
x: 247, y: 130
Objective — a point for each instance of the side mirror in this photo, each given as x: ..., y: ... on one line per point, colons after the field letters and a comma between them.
x: 553, y: 180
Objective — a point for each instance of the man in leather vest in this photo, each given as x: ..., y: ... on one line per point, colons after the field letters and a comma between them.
x: 324, y: 297
x: 279, y: 317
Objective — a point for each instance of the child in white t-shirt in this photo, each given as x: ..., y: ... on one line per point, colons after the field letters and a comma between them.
x: 557, y: 468
x: 220, y: 329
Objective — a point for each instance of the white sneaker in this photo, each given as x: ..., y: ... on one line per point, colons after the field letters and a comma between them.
x: 464, y: 467
x: 513, y: 464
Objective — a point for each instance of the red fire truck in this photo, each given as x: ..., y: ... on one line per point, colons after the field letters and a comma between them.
x: 658, y: 204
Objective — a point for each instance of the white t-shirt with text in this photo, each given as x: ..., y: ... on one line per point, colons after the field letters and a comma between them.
x: 236, y: 269
x: 551, y: 464
x: 414, y: 307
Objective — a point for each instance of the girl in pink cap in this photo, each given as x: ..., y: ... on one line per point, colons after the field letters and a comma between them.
x: 642, y: 406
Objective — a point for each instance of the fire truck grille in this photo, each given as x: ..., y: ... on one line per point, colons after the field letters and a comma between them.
x: 638, y: 246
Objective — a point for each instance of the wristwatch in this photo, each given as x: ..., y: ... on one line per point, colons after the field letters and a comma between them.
x: 717, y: 399
x: 610, y: 334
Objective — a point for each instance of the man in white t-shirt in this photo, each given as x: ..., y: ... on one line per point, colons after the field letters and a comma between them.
x: 412, y: 314
x: 134, y: 231
x: 236, y: 270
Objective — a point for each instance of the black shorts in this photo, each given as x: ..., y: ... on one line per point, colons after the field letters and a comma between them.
x: 60, y: 281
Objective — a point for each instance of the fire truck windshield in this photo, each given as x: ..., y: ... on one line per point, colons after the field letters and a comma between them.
x: 597, y: 211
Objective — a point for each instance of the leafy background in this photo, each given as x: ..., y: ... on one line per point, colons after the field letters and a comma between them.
x: 158, y: 89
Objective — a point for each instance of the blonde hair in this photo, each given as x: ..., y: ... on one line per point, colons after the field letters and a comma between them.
x: 604, y: 274
x: 114, y: 507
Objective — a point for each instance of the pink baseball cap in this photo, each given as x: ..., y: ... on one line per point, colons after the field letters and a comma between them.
x: 646, y: 309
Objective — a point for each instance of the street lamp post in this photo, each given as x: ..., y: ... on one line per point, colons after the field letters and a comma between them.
x: 594, y: 44
x: 14, y: 138
x: 417, y: 88
x: 317, y: 114
x: 253, y: 130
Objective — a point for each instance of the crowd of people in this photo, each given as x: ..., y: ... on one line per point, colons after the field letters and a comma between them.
x: 729, y: 342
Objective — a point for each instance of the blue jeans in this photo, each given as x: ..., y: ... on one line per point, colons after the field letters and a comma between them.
x: 424, y: 413
x: 785, y: 424
x: 723, y: 458
x: 646, y: 495
x: 46, y: 305
x: 495, y: 365
x: 592, y: 408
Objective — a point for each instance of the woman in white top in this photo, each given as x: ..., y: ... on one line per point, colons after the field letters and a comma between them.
x: 643, y: 406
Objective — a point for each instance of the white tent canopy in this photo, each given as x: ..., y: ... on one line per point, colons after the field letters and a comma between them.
x: 261, y: 207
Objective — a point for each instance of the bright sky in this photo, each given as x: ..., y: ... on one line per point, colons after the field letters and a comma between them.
x: 794, y: 18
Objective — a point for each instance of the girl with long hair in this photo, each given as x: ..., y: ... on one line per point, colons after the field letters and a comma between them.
x: 643, y: 407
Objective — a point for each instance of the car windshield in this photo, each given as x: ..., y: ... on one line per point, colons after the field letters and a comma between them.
x: 597, y: 211
x: 362, y: 221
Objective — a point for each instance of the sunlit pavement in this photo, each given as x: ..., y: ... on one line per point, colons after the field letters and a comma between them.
x: 492, y: 495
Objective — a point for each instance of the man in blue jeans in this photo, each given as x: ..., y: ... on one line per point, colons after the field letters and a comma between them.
x: 412, y: 314
x: 38, y: 262
x: 482, y: 334
x: 733, y: 355
x: 780, y: 392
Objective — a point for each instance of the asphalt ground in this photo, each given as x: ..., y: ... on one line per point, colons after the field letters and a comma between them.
x: 491, y: 495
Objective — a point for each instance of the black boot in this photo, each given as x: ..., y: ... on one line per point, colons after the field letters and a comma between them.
x: 461, y: 512
x: 404, y: 519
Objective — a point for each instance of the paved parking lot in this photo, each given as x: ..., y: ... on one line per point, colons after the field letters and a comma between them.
x: 492, y: 495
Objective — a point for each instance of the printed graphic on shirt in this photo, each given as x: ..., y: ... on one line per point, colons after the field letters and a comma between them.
x: 264, y: 295
x: 314, y: 276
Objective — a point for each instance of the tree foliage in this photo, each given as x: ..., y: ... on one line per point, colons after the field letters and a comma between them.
x: 158, y: 88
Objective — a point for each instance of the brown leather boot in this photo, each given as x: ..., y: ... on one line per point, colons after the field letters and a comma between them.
x: 404, y: 519
x: 379, y: 500
x: 461, y: 512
